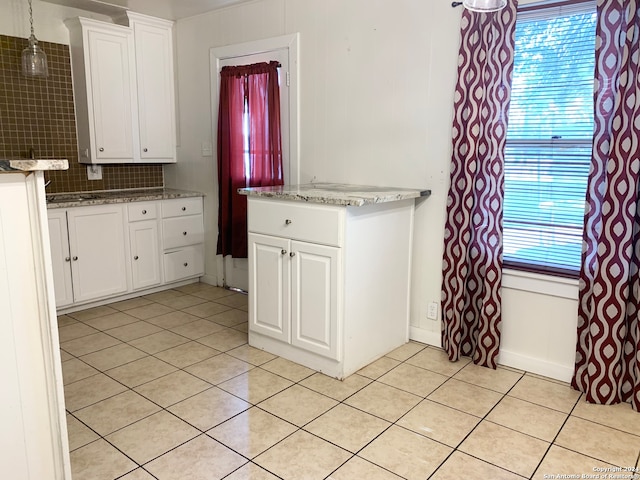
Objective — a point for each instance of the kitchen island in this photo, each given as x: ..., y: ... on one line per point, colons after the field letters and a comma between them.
x: 330, y: 272
x: 34, y: 430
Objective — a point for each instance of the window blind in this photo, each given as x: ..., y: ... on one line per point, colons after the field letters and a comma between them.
x: 549, y: 136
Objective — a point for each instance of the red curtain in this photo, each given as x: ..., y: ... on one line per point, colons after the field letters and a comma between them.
x: 607, y: 366
x: 253, y: 91
x: 472, y: 261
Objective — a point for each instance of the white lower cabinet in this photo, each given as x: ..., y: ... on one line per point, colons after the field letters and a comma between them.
x: 296, y: 285
x: 145, y: 255
x: 88, y: 253
x: 104, y: 251
x: 329, y: 285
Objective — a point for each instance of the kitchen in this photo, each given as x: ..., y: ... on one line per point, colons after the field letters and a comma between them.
x: 376, y: 96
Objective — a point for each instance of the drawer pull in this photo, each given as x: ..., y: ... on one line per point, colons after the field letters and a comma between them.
x: 287, y: 222
x: 292, y: 254
x: 75, y: 259
x: 136, y: 257
x: 67, y: 259
x: 101, y: 149
x: 186, y: 264
x: 184, y: 209
x: 283, y: 252
x: 144, y: 212
x: 145, y: 150
x: 184, y: 233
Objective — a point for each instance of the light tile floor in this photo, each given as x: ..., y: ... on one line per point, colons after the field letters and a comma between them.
x: 165, y: 386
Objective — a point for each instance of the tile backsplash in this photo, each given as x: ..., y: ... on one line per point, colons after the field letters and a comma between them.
x: 39, y: 113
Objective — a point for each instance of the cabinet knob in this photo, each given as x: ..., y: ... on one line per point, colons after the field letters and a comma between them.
x: 67, y: 259
x: 287, y: 222
x: 186, y: 264
x: 292, y: 254
x: 101, y: 149
x: 136, y: 257
x: 184, y: 233
x: 283, y: 252
x: 75, y: 259
x: 144, y: 212
x: 145, y: 149
x: 184, y: 209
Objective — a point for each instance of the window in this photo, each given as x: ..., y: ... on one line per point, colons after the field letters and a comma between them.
x: 549, y: 137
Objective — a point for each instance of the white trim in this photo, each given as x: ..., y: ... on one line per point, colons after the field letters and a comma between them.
x: 535, y: 365
x: 538, y: 283
x: 506, y: 358
x: 425, y: 336
x: 291, y: 44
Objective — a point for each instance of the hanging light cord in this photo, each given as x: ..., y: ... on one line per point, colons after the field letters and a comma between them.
x: 31, y: 18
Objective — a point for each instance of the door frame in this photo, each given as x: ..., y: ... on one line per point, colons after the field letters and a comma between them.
x: 290, y: 43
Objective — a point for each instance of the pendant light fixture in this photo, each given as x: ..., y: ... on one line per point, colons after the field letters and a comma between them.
x: 482, y: 5
x: 34, y: 60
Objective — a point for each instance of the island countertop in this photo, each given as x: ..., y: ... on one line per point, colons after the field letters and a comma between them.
x: 29, y: 165
x: 336, y: 193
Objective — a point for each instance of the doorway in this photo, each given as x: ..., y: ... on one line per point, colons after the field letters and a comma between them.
x: 233, y: 272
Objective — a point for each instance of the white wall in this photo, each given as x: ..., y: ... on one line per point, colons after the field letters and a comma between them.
x: 47, y: 20
x: 376, y: 94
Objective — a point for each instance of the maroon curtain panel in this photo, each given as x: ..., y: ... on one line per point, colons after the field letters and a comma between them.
x: 253, y: 91
x: 607, y: 365
x: 472, y: 260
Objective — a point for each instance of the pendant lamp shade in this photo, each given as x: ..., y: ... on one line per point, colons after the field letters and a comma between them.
x: 34, y: 60
x: 484, y: 5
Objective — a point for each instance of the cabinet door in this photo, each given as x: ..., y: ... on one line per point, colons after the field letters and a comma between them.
x: 269, y: 283
x: 60, y: 258
x: 98, y: 258
x: 314, y: 298
x: 145, y: 255
x: 154, y: 71
x: 110, y: 96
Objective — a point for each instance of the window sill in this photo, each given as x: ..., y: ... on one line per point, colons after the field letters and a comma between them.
x: 537, y: 283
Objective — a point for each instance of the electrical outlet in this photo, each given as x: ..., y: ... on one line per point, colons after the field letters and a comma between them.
x: 94, y: 172
x: 432, y: 311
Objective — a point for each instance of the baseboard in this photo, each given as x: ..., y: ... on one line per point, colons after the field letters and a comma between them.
x: 535, y: 365
x: 210, y: 280
x: 425, y: 336
x: 506, y: 358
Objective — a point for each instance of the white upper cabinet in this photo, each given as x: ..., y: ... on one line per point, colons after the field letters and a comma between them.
x: 124, y: 90
x: 154, y: 73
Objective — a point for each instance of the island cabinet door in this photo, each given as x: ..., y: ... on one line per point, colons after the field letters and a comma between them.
x: 314, y: 298
x: 269, y: 286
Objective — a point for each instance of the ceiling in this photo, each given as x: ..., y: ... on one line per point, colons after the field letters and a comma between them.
x: 169, y: 9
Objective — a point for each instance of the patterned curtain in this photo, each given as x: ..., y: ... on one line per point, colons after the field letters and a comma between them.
x: 472, y: 262
x: 608, y: 348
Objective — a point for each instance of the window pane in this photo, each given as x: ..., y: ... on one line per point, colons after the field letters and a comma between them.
x: 549, y: 139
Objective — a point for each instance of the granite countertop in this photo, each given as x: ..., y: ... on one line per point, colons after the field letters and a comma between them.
x: 67, y: 200
x: 336, y: 193
x: 28, y: 165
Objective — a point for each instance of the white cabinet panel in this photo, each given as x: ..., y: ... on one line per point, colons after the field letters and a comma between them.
x: 98, y: 258
x: 184, y: 263
x: 60, y: 257
x: 110, y: 83
x: 314, y: 298
x: 269, y: 280
x: 154, y: 68
x: 145, y: 254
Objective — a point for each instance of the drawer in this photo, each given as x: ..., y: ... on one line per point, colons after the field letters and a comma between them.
x: 142, y: 211
x: 182, y: 231
x: 184, y: 263
x: 299, y: 221
x: 181, y: 206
